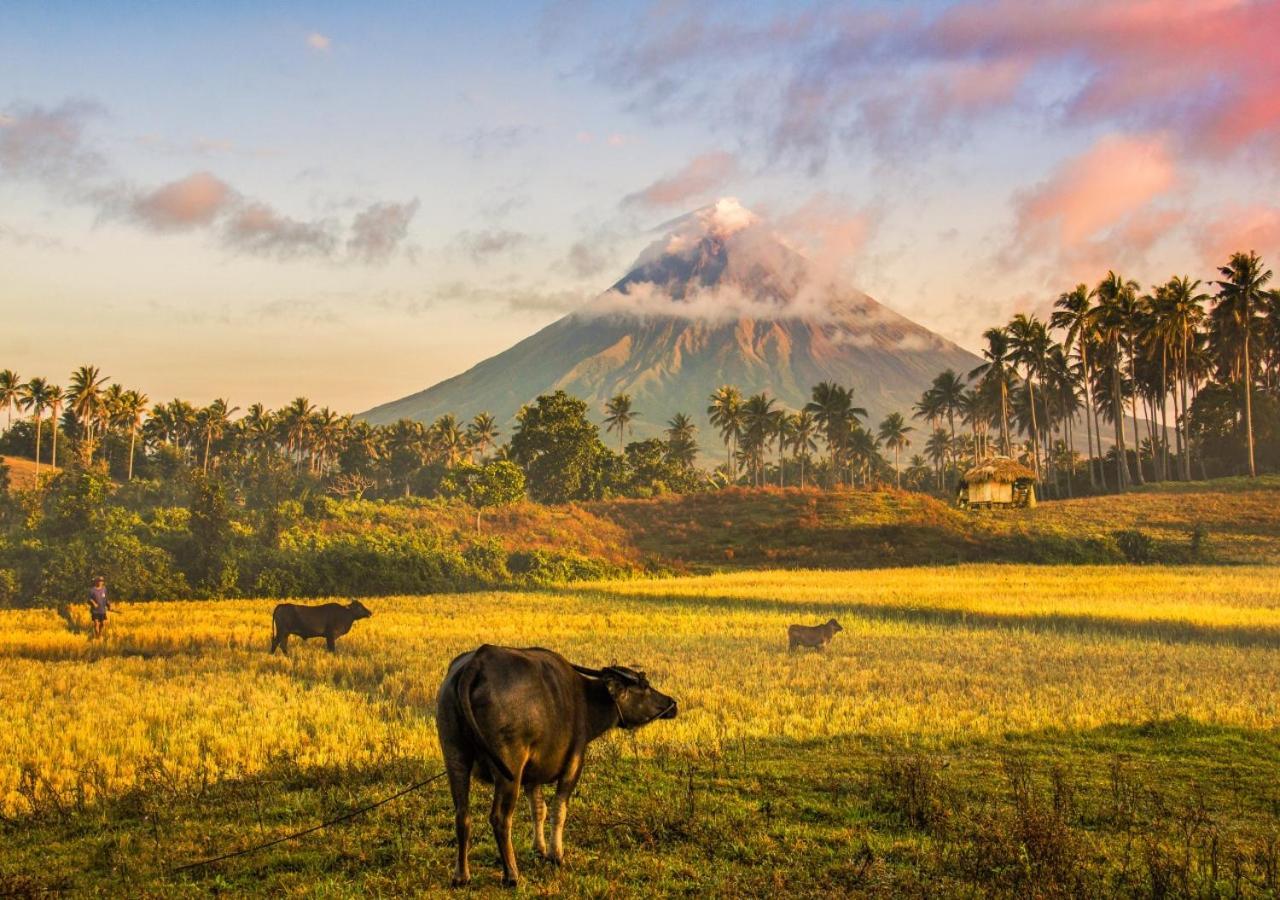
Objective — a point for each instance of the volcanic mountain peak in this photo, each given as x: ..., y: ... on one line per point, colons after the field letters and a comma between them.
x: 719, y: 298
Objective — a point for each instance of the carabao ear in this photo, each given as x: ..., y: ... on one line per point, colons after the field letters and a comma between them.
x: 615, y: 687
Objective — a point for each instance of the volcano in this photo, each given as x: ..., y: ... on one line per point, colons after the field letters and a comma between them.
x: 719, y: 299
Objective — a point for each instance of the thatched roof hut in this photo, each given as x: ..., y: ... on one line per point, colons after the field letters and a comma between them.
x: 998, y: 481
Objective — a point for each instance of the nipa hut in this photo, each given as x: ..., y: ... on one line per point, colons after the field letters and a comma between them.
x: 999, y: 481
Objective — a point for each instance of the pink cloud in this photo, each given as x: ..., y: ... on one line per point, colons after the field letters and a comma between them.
x: 1238, y: 228
x: 1097, y: 189
x: 187, y: 203
x: 703, y: 174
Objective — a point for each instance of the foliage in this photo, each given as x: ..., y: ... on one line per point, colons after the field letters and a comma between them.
x: 559, y: 450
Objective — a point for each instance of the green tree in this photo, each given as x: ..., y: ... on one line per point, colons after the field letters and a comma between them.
x: 482, y: 433
x: 493, y: 484
x: 559, y: 450
x: 35, y: 397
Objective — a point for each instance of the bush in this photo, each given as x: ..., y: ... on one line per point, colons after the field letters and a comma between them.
x: 1137, y: 547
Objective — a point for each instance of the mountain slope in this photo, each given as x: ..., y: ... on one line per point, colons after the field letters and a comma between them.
x: 719, y: 300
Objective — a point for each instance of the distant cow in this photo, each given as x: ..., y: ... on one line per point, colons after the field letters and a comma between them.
x: 329, y: 621
x: 812, y: 635
x: 525, y: 717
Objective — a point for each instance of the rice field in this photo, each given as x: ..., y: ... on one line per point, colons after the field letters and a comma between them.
x: 1175, y: 672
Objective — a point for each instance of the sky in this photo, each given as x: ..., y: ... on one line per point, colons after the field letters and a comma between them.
x: 351, y: 202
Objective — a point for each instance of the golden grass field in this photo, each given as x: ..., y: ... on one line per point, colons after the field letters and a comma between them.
x: 184, y: 696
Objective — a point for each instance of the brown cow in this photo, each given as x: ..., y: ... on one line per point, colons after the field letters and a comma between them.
x: 525, y: 717
x: 817, y: 636
x: 329, y: 621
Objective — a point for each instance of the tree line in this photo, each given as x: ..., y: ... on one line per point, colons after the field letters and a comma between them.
x: 1186, y: 376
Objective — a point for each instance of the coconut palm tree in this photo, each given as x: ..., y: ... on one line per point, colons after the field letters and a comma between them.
x: 937, y: 449
x: 758, y: 428
x: 1029, y: 345
x: 832, y: 407
x: 212, y: 422
x: 998, y: 370
x: 35, y: 397
x: 725, y: 413
x: 133, y: 406
x: 448, y: 437
x: 804, y: 430
x: 1240, y: 296
x: 295, y: 424
x: 893, y: 434
x: 54, y: 398
x: 482, y: 433
x: 327, y: 428
x: 619, y: 416
x: 1114, y: 321
x: 1074, y: 314
x: 682, y: 449
x: 1179, y: 318
x: 86, y: 399
x: 10, y: 393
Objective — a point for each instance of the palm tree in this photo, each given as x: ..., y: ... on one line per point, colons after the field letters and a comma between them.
x: 1114, y: 327
x: 130, y: 412
x: 482, y: 432
x: 327, y: 428
x: 998, y: 370
x: 54, y: 398
x: 938, y: 448
x: 618, y: 417
x: 893, y: 434
x: 1029, y: 345
x: 1240, y: 295
x: 35, y: 397
x: 832, y: 407
x: 1075, y: 315
x: 260, y: 430
x: 447, y: 436
x: 682, y: 449
x: 725, y: 413
x: 295, y: 423
x: 10, y: 393
x: 1179, y: 318
x: 86, y: 401
x: 758, y: 417
x: 781, y: 425
x: 212, y: 422
x: 804, y: 428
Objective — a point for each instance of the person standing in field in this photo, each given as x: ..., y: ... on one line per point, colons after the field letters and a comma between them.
x: 98, y: 605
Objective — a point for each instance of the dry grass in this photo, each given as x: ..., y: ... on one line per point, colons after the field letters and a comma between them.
x: 930, y: 655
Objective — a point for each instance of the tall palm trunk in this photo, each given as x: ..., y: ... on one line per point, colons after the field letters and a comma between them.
x: 1035, y: 431
x: 133, y: 436
x: 1133, y: 406
x: 1186, y: 425
x: 36, y: 418
x: 1248, y: 394
x: 1088, y: 411
x: 1117, y: 406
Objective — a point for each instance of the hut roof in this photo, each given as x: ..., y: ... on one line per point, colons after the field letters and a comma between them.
x: 1000, y: 469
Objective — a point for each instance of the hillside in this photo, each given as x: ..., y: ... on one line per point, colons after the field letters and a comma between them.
x: 22, y: 472
x: 720, y: 299
x: 738, y: 528
x: 855, y: 529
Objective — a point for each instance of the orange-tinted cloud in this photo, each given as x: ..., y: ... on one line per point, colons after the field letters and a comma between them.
x: 188, y: 202
x: 1240, y: 228
x: 1097, y: 189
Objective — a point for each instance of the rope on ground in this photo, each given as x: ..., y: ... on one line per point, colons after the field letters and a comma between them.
x: 345, y: 817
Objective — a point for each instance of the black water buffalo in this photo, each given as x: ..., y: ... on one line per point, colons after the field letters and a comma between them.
x: 525, y: 717
x: 329, y: 621
x: 812, y: 635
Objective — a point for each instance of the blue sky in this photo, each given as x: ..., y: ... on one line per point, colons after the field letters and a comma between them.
x: 352, y: 202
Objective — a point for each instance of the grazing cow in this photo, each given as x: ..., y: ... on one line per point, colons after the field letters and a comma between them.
x: 812, y: 635
x: 525, y: 717
x: 329, y: 621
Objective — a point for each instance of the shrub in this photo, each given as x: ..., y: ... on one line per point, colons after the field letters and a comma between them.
x: 1137, y: 547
